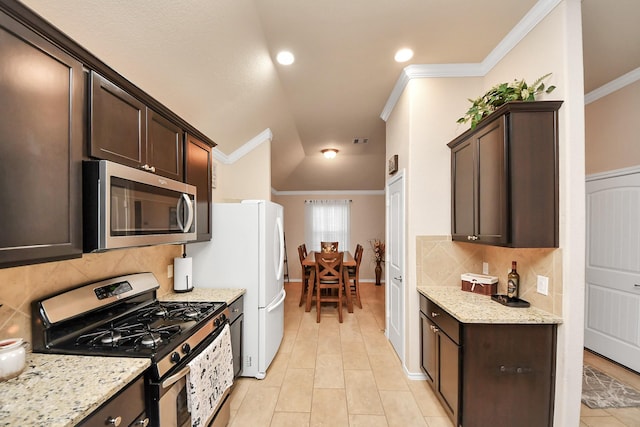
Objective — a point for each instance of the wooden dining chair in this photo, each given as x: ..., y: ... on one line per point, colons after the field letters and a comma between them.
x: 328, y: 246
x: 329, y: 280
x: 353, y: 285
x: 306, y: 273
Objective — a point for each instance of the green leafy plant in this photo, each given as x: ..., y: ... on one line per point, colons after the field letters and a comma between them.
x: 502, y: 93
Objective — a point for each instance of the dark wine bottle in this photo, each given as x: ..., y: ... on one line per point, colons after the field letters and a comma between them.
x: 513, y: 282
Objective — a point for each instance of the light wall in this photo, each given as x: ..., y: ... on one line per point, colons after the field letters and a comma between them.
x: 248, y: 177
x: 422, y: 123
x: 611, y: 140
x: 367, y: 222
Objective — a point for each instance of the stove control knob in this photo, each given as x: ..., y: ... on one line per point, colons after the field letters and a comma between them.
x: 216, y: 322
x: 175, y: 357
x: 223, y: 317
x: 186, y: 348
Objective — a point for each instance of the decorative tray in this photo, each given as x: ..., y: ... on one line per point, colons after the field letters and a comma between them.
x: 510, y: 302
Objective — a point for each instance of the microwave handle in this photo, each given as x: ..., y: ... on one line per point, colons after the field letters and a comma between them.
x: 187, y: 200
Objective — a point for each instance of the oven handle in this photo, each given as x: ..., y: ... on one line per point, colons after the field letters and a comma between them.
x: 168, y: 382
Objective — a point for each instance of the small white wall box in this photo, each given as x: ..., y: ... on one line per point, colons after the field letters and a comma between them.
x: 479, y: 283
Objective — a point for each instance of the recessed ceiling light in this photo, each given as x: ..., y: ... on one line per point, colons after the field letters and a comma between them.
x: 403, y: 55
x: 285, y: 57
x: 329, y: 153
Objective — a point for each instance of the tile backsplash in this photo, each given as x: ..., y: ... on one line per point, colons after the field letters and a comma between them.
x: 441, y: 261
x: 19, y: 286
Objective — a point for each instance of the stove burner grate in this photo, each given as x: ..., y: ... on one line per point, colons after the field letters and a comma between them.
x: 133, y: 337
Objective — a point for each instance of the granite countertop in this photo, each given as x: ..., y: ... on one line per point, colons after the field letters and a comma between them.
x: 61, y: 390
x: 468, y: 307
x: 227, y: 295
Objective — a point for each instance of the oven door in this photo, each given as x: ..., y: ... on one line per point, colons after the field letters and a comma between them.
x: 168, y: 402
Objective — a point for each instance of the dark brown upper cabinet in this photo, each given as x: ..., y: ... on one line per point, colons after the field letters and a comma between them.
x: 198, y: 172
x: 126, y: 131
x: 41, y: 132
x: 504, y: 178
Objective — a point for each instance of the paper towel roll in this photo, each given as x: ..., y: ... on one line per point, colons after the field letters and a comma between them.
x: 182, y: 274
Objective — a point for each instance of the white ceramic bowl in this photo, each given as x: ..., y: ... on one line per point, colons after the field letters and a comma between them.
x: 12, y: 358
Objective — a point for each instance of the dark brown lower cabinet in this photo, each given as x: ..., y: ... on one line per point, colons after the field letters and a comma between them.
x: 495, y: 375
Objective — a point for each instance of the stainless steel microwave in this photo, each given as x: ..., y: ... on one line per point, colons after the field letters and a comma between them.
x: 126, y: 207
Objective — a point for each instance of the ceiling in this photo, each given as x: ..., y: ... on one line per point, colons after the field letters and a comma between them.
x: 213, y: 63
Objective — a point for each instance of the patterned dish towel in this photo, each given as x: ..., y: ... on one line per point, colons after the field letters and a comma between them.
x: 211, y: 374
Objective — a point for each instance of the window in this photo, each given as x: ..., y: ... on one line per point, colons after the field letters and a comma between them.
x: 327, y: 220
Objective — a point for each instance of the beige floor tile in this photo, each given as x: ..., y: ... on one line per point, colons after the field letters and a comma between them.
x: 601, y: 422
x: 388, y: 372
x: 296, y: 392
x: 329, y: 344
x: 362, y: 394
x: 401, y: 409
x: 358, y: 420
x: 426, y: 399
x: 630, y: 417
x: 240, y: 389
x: 355, y: 359
x: 329, y: 408
x: 290, y: 419
x: 303, y: 354
x: 276, y: 371
x: 438, y: 422
x: 329, y: 372
x: 257, y: 407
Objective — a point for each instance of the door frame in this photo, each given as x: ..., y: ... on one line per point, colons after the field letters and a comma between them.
x: 399, y: 176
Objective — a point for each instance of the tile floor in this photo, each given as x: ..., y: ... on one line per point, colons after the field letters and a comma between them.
x: 622, y: 417
x: 332, y: 374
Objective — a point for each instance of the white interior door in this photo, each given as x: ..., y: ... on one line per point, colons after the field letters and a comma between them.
x: 612, y: 311
x: 395, y: 294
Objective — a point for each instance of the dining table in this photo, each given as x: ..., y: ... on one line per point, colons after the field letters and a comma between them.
x: 347, y: 261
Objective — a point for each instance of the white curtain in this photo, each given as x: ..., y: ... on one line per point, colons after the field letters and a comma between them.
x: 327, y: 220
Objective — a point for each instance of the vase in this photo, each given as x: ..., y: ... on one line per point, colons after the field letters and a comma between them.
x: 378, y: 273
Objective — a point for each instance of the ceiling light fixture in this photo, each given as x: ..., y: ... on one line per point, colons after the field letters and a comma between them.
x: 329, y: 153
x: 285, y: 57
x: 403, y: 55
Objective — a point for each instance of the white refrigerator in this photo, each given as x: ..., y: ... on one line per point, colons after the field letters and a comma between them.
x: 247, y: 251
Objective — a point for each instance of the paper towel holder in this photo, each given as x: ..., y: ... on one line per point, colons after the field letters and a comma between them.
x: 182, y: 274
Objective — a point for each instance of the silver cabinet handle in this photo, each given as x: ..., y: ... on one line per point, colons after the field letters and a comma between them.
x: 435, y: 314
x: 235, y: 310
x: 636, y: 285
x: 152, y: 168
x: 399, y: 278
x: 143, y: 423
x: 114, y: 421
x: 434, y: 329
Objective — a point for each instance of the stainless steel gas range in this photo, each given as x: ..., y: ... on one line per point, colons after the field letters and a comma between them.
x: 122, y: 317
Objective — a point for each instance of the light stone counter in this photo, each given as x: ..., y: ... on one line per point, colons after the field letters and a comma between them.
x: 61, y: 390
x: 228, y: 295
x: 468, y: 307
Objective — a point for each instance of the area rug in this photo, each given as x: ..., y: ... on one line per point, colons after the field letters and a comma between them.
x: 599, y: 390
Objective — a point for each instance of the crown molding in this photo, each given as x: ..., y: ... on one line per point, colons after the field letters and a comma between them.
x: 614, y: 85
x: 537, y: 13
x: 264, y: 136
x: 329, y: 193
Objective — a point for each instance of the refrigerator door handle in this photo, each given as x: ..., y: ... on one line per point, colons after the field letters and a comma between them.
x: 280, y: 229
x: 278, y: 303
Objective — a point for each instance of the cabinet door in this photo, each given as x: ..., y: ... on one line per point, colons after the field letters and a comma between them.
x: 514, y: 366
x: 462, y: 185
x: 164, y: 146
x: 41, y: 89
x: 448, y: 383
x: 118, y: 130
x: 491, y: 190
x: 428, y: 351
x: 198, y: 173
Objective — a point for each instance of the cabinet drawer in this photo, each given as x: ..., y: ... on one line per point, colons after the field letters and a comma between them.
x: 447, y: 323
x: 235, y: 309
